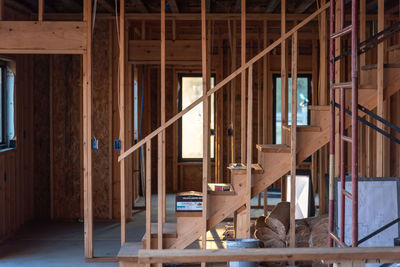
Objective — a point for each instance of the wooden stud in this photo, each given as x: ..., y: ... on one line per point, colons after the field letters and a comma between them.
x: 380, y: 151
x: 159, y: 193
x: 284, y: 77
x: 323, y: 72
x: 363, y: 31
x: 293, y: 144
x: 41, y: 10
x: 148, y: 195
x: 206, y: 124
x: 2, y: 10
x: 110, y: 119
x: 249, y: 150
x: 233, y: 92
x: 265, y: 86
x: 163, y: 111
x: 122, y: 117
x: 87, y: 134
x: 243, y: 81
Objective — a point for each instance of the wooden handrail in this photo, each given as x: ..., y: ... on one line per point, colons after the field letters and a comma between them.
x: 371, y: 254
x: 223, y: 82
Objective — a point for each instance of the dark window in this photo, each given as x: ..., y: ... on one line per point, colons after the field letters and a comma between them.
x: 190, y: 127
x: 303, y: 100
x: 2, y: 99
x: 6, y: 105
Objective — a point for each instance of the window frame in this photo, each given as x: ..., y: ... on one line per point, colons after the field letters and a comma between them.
x: 179, y: 102
x: 274, y: 78
x: 3, y: 109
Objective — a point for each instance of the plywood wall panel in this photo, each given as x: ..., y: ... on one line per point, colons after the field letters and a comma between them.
x: 42, y: 137
x: 100, y: 119
x: 66, y: 86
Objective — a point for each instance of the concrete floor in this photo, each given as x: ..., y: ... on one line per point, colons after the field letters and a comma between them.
x: 61, y: 244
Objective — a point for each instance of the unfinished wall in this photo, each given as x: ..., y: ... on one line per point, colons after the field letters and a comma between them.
x: 16, y: 165
x: 66, y: 135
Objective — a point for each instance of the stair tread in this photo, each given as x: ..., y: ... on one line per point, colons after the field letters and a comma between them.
x: 274, y: 148
x: 212, y: 191
x: 130, y: 250
x: 168, y: 228
x: 374, y: 66
x: 255, y: 168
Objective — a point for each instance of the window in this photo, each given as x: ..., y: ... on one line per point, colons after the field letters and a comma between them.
x: 303, y: 99
x: 190, y: 139
x: 6, y: 105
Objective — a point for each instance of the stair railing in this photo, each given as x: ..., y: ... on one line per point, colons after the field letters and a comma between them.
x: 161, y: 130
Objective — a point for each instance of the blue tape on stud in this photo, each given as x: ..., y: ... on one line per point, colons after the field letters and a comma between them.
x: 117, y: 145
x: 230, y: 132
x: 212, y: 131
x: 5, y: 176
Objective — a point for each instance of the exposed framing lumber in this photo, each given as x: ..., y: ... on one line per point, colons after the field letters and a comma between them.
x: 2, y: 9
x: 243, y: 81
x: 206, y: 124
x: 161, y: 139
x: 265, y: 85
x: 293, y: 144
x: 270, y: 255
x: 174, y: 6
x: 233, y: 91
x: 284, y: 75
x: 30, y: 37
x: 163, y: 111
x: 122, y: 117
x: 148, y: 195
x: 380, y: 144
x: 224, y: 81
x: 249, y: 151
x: 41, y: 10
x: 87, y: 134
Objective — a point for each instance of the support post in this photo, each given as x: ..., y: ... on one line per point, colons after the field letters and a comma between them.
x: 87, y: 134
x: 249, y: 150
x: 233, y: 93
x: 163, y: 111
x: 122, y: 116
x: 2, y: 10
x: 206, y: 123
x: 380, y: 151
x: 41, y: 10
x: 293, y: 143
x: 148, y: 195
x: 243, y: 81
x: 265, y: 85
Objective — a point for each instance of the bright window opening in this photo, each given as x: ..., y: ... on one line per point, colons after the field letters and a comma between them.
x: 191, y: 124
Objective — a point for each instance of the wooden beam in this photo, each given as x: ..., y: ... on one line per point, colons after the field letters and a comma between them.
x: 141, y: 6
x: 31, y: 37
x: 87, y: 133
x: 387, y: 254
x: 206, y: 124
x: 243, y: 81
x: 122, y: 116
x: 41, y: 10
x: 284, y: 76
x: 380, y: 151
x: 293, y: 144
x: 233, y: 92
x: 304, y: 6
x: 272, y: 6
x: 174, y: 6
x: 265, y: 85
x: 224, y: 81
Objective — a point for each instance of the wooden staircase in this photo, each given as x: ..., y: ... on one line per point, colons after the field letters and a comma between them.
x: 273, y: 163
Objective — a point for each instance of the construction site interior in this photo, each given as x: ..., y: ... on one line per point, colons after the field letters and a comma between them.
x: 199, y: 132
